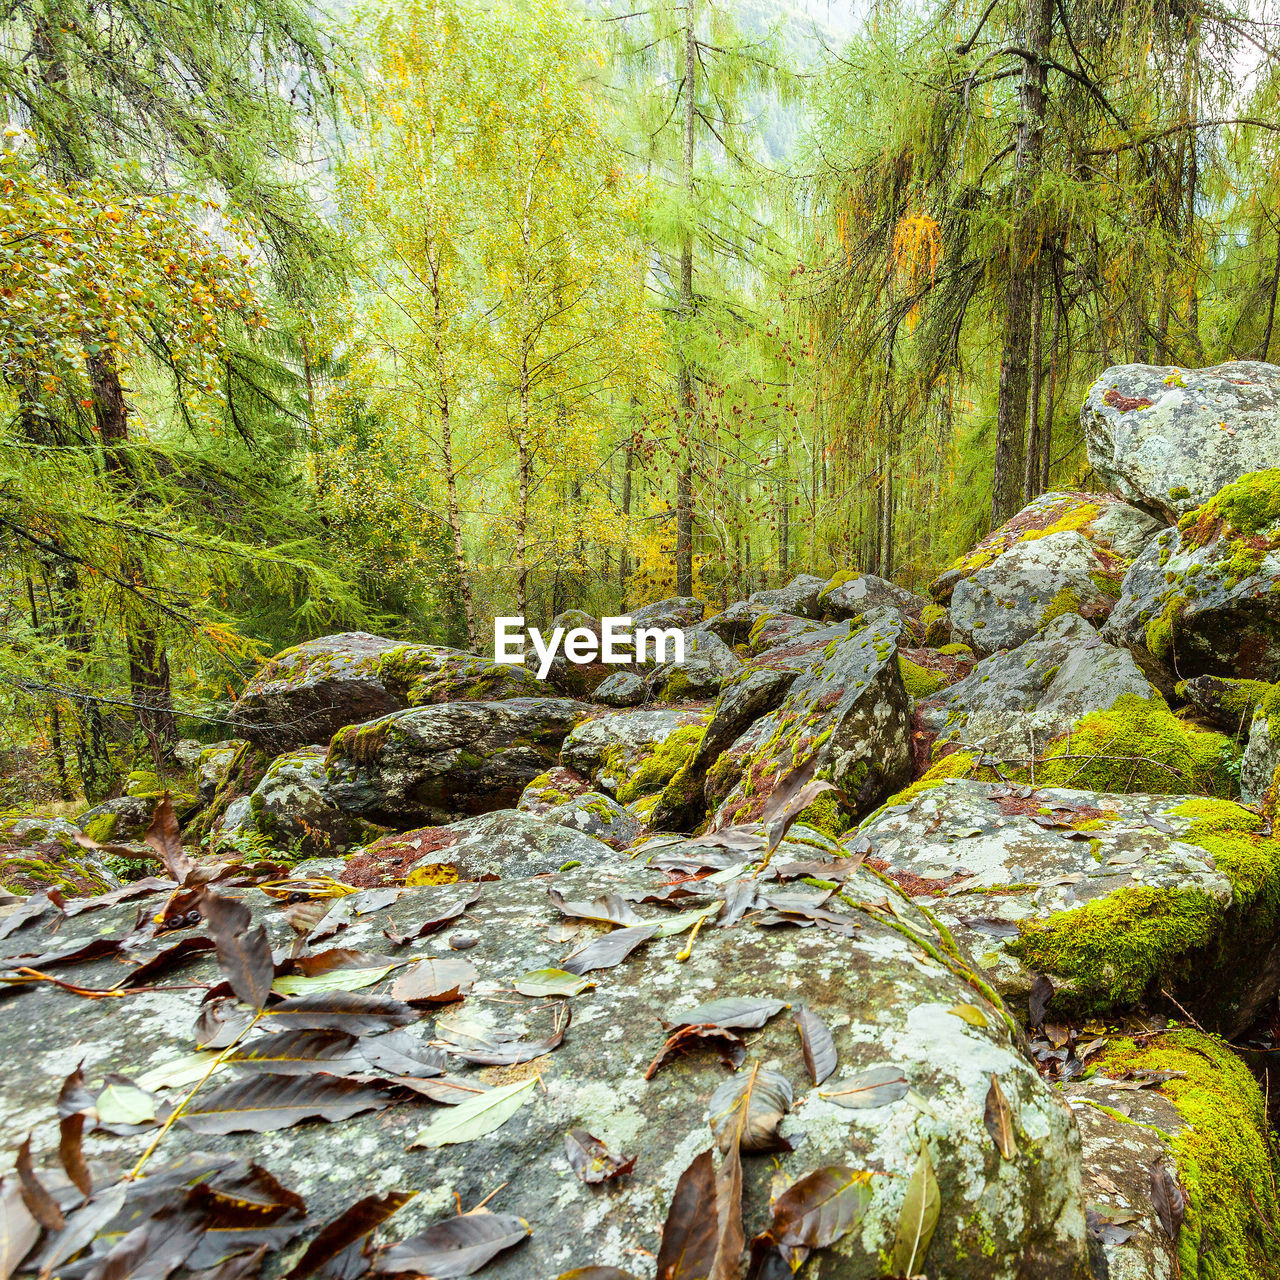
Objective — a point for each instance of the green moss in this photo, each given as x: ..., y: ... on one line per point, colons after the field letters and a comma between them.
x: 837, y: 580
x: 677, y: 688
x: 1224, y: 1158
x: 919, y: 681
x: 1248, y: 507
x: 662, y: 763
x: 1108, y: 583
x: 935, y: 622
x: 1114, y: 950
x: 959, y: 764
x: 360, y: 743
x: 956, y: 650
x: 825, y: 815
x: 1179, y: 491
x: 1065, y: 601
x: 753, y: 636
x: 101, y: 828
x: 1139, y: 745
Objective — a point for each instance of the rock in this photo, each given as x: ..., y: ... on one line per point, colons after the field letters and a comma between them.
x: 926, y: 672
x: 307, y: 693
x: 38, y: 852
x: 1205, y: 1129
x: 1105, y: 521
x: 509, y: 845
x: 118, y: 821
x: 886, y: 999
x: 442, y: 762
x: 622, y: 689
x: 187, y: 752
x: 235, y: 821
x: 848, y: 710
x: 629, y: 754
x: 554, y: 787
x: 294, y: 806
x: 800, y: 596
x: 211, y: 768
x: 677, y: 611
x: 1116, y: 898
x: 1013, y: 703
x: 772, y: 630
x: 1008, y: 601
x: 733, y: 626
x: 1204, y: 599
x: 750, y: 694
x: 581, y: 809
x: 1168, y: 439
x: 708, y: 662
x: 236, y: 779
x: 1260, y: 768
x: 851, y: 594
x: 1226, y: 703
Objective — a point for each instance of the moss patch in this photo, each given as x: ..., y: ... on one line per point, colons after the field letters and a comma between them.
x: 1114, y: 950
x: 919, y: 681
x: 663, y: 763
x: 1139, y: 745
x: 1224, y: 1164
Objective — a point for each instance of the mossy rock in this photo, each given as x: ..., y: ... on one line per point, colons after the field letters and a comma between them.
x: 1207, y: 1127
x: 1118, y: 899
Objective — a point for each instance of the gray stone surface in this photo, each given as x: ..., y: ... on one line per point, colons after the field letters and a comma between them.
x: 1003, y: 875
x: 1013, y: 703
x: 799, y: 596
x: 631, y: 753
x: 1199, y: 430
x: 510, y: 844
x: 886, y: 1000
x: 1193, y: 609
x: 1008, y: 601
x: 1258, y: 770
x: 848, y: 710
x: 294, y: 806
x: 708, y: 662
x: 851, y: 595
x: 622, y: 689
x: 439, y: 763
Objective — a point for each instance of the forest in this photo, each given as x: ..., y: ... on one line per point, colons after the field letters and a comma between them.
x: 440, y: 311
x: 870, y: 867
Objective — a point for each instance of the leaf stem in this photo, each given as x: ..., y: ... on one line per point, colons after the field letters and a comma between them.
x: 195, y: 1088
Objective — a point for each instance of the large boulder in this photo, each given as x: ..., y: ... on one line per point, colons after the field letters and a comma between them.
x: 629, y: 754
x: 1204, y: 598
x: 440, y: 763
x: 848, y: 711
x: 733, y: 626
x: 508, y: 844
x: 751, y: 694
x: 40, y: 852
x: 1260, y: 767
x: 772, y: 630
x: 708, y: 662
x: 1116, y: 898
x: 294, y: 807
x: 1009, y: 600
x: 895, y: 1003
x: 676, y: 611
x: 850, y: 595
x: 307, y: 693
x: 1195, y: 1133
x: 800, y: 596
x: 1012, y: 704
x: 1224, y: 702
x: 580, y: 808
x: 1106, y: 522
x: 1168, y: 439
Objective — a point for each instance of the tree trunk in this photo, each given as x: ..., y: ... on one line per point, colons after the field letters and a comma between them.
x: 1265, y: 347
x: 149, y: 678
x: 684, y: 313
x: 1011, y: 406
x: 624, y: 559
x: 522, y: 513
x: 1031, y: 471
x: 1046, y: 432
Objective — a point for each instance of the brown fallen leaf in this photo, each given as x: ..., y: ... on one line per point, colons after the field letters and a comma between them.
x: 74, y: 1100
x: 261, y: 1104
x: 592, y: 1161
x: 999, y: 1120
x: 350, y: 1229
x: 244, y: 954
x: 435, y: 981
x: 455, y: 1247
x: 817, y: 1044
x: 40, y: 1204
x: 730, y: 1046
x: 355, y: 1012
